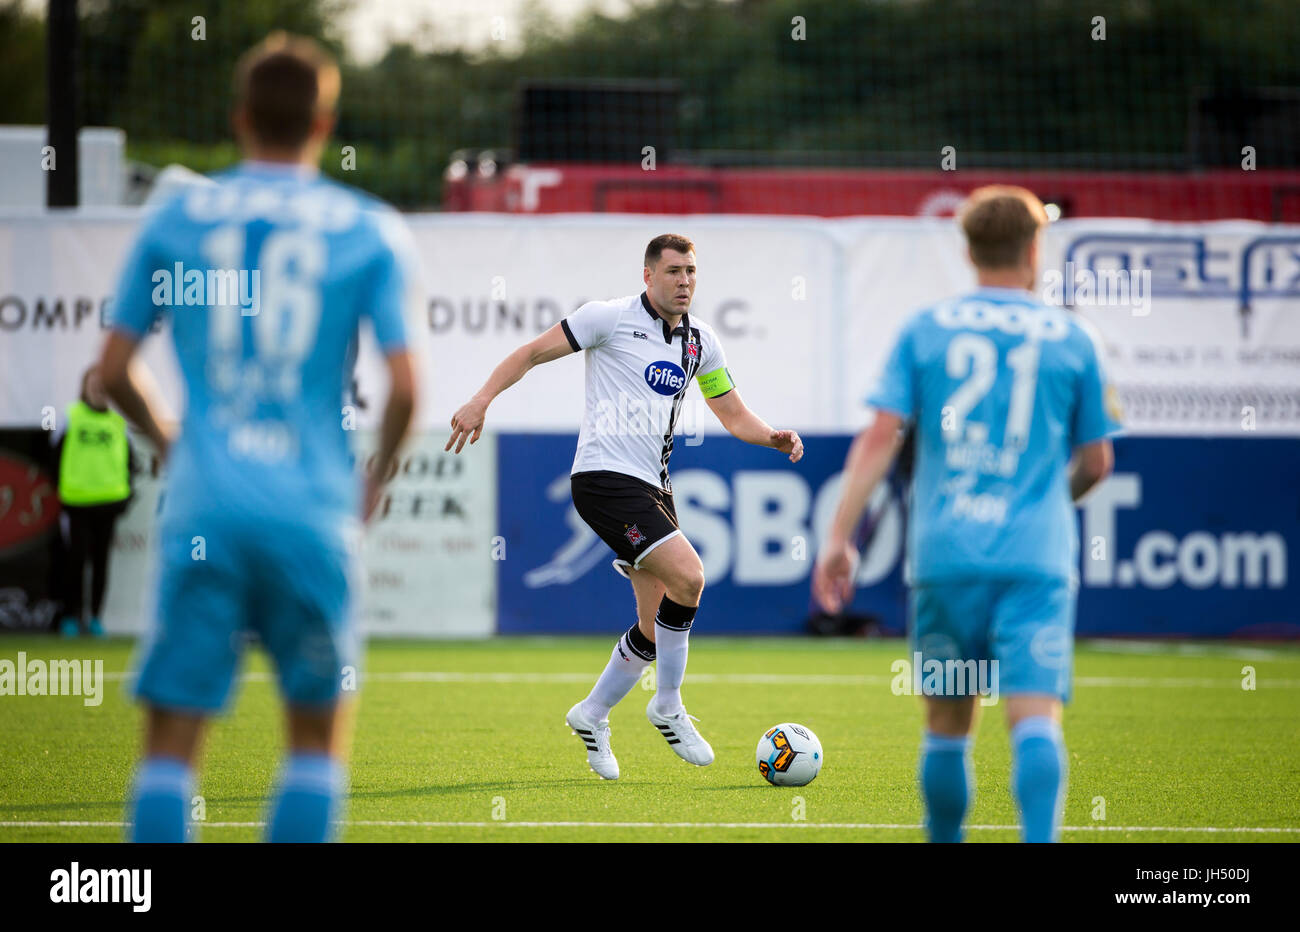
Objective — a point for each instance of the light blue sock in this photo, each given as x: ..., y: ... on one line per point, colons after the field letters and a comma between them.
x: 305, y: 801
x: 1038, y: 776
x: 160, y: 800
x: 946, y: 784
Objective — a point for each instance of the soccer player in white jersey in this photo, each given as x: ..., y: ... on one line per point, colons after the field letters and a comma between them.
x: 642, y: 353
x: 1009, y: 405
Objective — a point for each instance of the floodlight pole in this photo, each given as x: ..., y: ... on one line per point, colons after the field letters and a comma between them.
x: 61, y: 102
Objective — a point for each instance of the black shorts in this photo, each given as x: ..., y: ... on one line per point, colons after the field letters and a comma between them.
x: 632, y: 516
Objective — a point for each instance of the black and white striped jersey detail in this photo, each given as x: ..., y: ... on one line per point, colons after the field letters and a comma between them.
x: 691, y: 349
x: 638, y: 372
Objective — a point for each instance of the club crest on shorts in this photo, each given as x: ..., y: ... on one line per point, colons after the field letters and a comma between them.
x: 634, y: 535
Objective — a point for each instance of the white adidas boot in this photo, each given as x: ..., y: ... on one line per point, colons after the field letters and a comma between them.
x: 595, y: 738
x: 681, y: 735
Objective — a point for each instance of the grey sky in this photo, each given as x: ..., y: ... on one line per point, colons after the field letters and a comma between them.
x: 444, y: 23
x: 372, y: 24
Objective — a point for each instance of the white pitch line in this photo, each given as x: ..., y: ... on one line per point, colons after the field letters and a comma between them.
x: 1182, y: 682
x: 855, y: 826
x: 766, y: 679
x: 1167, y: 649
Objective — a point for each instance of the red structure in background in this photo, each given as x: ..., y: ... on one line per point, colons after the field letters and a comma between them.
x: 1270, y: 196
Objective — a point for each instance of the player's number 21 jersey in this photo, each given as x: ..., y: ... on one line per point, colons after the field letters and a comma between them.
x: 1000, y: 388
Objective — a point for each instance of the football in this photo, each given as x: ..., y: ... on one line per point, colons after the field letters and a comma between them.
x: 789, y: 755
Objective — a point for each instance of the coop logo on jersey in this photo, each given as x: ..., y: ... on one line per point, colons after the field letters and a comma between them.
x: 665, y: 377
x: 974, y: 314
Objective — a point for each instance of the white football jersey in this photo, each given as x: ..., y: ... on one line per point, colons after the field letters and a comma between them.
x: 637, y: 375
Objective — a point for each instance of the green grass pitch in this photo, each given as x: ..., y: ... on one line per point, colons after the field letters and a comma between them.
x: 465, y: 741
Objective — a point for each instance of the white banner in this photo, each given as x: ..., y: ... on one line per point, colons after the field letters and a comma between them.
x: 495, y: 282
x: 1209, y: 341
x: 430, y: 550
x: 492, y: 284
x: 429, y: 568
x: 1201, y: 321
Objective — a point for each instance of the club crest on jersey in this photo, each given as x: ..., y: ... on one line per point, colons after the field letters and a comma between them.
x: 693, y: 350
x: 667, y: 378
x: 634, y: 535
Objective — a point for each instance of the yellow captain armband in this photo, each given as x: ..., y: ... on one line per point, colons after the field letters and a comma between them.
x: 715, y: 383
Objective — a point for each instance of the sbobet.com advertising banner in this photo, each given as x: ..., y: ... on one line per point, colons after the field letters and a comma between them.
x: 1189, y: 537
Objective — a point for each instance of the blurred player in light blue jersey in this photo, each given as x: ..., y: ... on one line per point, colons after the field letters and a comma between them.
x: 1009, y: 407
x: 260, y: 526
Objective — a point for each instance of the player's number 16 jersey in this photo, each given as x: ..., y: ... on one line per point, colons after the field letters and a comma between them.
x: 266, y: 276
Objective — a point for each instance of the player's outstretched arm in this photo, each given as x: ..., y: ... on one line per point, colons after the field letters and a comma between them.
x: 869, y: 458
x: 398, y: 411
x: 123, y: 388
x: 467, y: 423
x: 744, y: 424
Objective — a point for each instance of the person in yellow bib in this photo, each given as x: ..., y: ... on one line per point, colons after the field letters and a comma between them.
x: 94, y: 489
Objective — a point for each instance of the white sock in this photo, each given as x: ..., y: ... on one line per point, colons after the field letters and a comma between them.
x: 672, y: 635
x: 631, y: 655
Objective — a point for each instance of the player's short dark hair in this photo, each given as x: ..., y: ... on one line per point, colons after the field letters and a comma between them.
x: 1000, y: 221
x: 666, y: 241
x: 283, y: 83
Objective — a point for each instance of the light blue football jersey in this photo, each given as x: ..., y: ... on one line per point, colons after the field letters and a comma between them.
x: 266, y: 276
x: 1000, y: 388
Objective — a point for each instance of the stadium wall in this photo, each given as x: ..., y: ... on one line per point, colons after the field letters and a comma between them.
x: 1199, y: 524
x: 1189, y: 538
